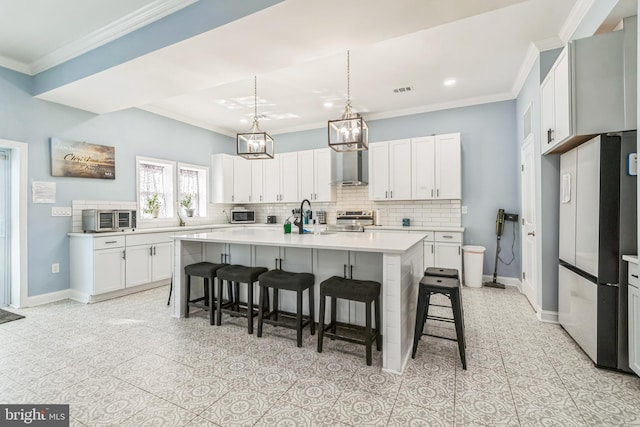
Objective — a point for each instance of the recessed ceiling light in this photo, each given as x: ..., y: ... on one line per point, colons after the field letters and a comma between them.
x: 328, y: 104
x: 450, y: 82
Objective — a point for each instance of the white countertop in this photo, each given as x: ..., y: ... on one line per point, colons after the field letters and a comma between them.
x: 364, y: 242
x: 187, y: 229
x: 630, y: 258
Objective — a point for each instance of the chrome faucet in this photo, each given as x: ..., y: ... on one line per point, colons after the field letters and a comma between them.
x: 299, y: 222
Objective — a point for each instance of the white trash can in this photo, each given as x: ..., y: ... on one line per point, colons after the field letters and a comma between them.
x: 473, y: 257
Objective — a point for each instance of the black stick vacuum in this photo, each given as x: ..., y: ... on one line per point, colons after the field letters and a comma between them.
x: 500, y: 219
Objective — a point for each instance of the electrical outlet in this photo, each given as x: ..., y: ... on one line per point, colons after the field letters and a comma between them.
x: 55, y: 268
x: 60, y: 211
x: 463, y: 209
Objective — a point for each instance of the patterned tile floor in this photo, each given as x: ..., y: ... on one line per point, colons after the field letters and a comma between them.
x: 126, y: 362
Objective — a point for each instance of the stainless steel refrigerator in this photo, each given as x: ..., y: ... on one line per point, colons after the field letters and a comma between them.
x: 598, y: 224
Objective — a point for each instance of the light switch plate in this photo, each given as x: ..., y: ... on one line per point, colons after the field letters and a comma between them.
x: 632, y: 164
x: 463, y: 209
x: 60, y: 211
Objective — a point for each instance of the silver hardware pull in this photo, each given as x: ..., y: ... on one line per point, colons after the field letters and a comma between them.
x: 634, y: 275
x: 276, y: 265
x: 391, y: 194
x: 110, y: 242
x: 280, y: 263
x: 344, y: 271
x: 432, y: 192
x: 438, y: 193
x: 124, y: 254
x: 351, y: 272
x: 447, y: 237
x: 531, y: 233
x: 154, y: 251
x: 232, y: 197
x: 458, y: 250
x: 386, y: 195
x: 150, y: 250
x: 432, y: 248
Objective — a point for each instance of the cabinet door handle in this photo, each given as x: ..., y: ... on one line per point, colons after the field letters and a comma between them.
x: 280, y: 263
x: 232, y: 198
x: 438, y: 192
x: 391, y: 194
x: 249, y: 198
x: 447, y: 237
x: 344, y: 271
x: 432, y: 248
x: 458, y: 250
x: 549, y: 135
x: 351, y: 271
x: 386, y: 196
x: 432, y: 192
x: 124, y: 254
x: 154, y: 251
x: 150, y: 250
x: 260, y: 197
x: 110, y: 242
x: 634, y: 275
x: 276, y: 264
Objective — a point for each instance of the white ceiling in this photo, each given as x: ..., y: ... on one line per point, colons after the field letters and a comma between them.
x: 297, y: 49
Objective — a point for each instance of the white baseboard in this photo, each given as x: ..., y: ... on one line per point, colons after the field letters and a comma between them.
x: 86, y: 298
x: 48, y: 298
x: 547, y: 316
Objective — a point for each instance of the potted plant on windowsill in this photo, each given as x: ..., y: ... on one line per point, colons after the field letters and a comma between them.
x: 152, y: 206
x: 186, y: 203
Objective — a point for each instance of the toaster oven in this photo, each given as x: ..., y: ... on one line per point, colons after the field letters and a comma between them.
x: 96, y: 220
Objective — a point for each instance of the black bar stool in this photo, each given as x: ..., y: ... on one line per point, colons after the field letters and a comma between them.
x: 237, y: 274
x: 450, y: 288
x: 354, y: 290
x: 206, y: 270
x: 297, y: 282
x: 451, y: 273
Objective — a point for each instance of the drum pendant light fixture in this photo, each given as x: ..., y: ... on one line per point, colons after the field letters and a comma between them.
x: 255, y: 144
x: 349, y: 133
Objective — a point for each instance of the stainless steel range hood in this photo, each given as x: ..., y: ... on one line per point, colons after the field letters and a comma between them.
x: 352, y: 168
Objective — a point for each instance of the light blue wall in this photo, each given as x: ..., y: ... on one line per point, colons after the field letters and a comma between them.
x: 133, y: 132
x: 490, y: 171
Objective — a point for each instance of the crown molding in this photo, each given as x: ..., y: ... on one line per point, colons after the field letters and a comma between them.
x: 577, y: 14
x: 528, y: 63
x: 549, y: 43
x: 125, y: 25
x: 14, y: 65
x: 184, y: 119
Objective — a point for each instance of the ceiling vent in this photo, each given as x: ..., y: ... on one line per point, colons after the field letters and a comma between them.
x: 403, y: 89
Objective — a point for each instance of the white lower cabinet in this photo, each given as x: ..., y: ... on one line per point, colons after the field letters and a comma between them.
x: 104, y: 264
x: 448, y: 250
x: 353, y: 265
x: 634, y: 319
x: 109, y: 270
x: 149, y: 258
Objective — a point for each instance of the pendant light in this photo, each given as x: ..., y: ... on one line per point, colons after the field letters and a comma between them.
x: 255, y: 144
x: 349, y: 133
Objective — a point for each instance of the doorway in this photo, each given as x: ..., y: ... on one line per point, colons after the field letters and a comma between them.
x: 13, y: 223
x: 5, y: 227
x: 528, y: 209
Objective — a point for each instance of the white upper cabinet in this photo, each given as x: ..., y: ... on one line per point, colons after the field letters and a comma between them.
x: 590, y: 89
x: 316, y: 172
x: 242, y: 181
x: 390, y: 170
x: 257, y: 181
x: 222, y: 178
x: 289, y: 177
x: 448, y: 167
x: 423, y: 159
x: 271, y: 179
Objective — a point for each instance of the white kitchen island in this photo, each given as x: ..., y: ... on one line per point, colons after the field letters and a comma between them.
x: 393, y: 259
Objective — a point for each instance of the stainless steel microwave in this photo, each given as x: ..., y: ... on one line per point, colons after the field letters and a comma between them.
x: 96, y: 220
x: 243, y: 216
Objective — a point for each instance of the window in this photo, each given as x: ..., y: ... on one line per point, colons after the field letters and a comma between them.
x: 192, y: 189
x: 156, y: 179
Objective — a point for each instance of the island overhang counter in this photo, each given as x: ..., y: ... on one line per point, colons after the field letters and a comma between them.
x: 393, y: 259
